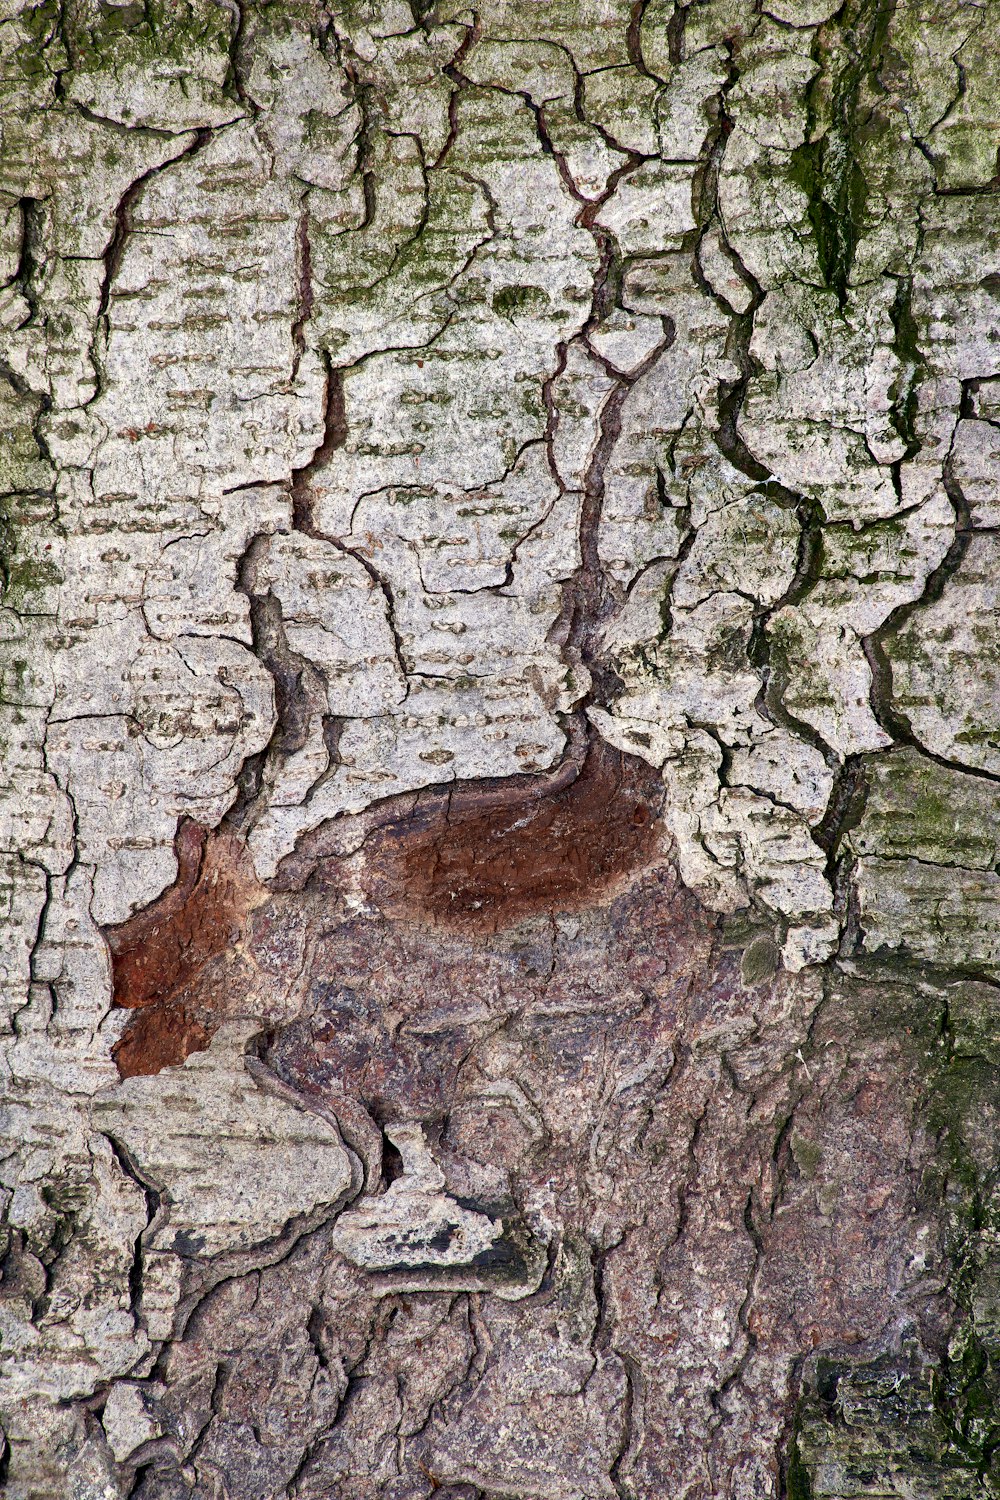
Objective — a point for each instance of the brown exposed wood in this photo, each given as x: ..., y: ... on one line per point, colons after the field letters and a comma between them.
x: 478, y: 858
x: 484, y: 859
x: 157, y: 955
x: 161, y: 1036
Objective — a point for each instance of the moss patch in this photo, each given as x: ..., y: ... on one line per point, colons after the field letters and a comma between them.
x: 827, y: 166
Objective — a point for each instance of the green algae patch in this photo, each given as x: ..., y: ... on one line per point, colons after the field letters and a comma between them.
x: 160, y: 64
x: 828, y: 167
x: 836, y: 193
x: 878, y: 1429
x: 919, y: 809
x: 915, y: 1420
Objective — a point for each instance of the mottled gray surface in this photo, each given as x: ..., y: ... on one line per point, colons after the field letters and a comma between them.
x: 499, y: 749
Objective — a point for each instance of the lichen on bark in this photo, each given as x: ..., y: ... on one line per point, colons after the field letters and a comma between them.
x: 499, y: 821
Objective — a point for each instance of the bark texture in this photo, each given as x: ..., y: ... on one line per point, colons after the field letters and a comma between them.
x: 500, y: 722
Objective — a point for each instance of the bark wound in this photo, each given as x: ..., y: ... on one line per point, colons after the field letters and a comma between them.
x: 484, y: 859
x: 157, y: 954
x: 478, y: 858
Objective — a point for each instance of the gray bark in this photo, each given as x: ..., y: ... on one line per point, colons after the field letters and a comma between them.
x: 500, y: 720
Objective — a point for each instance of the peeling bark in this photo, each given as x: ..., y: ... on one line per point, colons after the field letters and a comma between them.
x: 500, y: 730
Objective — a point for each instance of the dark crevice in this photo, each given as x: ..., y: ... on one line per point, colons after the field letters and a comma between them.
x: 675, y: 35
x: 153, y: 1201
x: 298, y: 694
x: 236, y: 80
x: 689, y: 535
x: 31, y: 254
x: 115, y: 248
x: 843, y: 810
x: 334, y: 437
x: 877, y: 645
x: 905, y: 391
x: 633, y: 37
x: 305, y: 307
x: 453, y: 71
x: 840, y: 115
x: 760, y: 651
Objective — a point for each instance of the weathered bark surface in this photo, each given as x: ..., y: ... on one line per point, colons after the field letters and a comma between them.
x: 500, y: 703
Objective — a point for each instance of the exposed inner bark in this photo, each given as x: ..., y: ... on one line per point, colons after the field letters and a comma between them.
x: 483, y: 857
x: 479, y: 857
x: 158, y: 954
x: 599, y: 1076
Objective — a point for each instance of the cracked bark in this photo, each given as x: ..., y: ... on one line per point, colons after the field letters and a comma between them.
x: 499, y: 722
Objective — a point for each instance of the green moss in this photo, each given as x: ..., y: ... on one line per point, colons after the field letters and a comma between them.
x: 42, y: 51
x: 965, y: 1387
x: 828, y: 165
x: 511, y: 300
x: 910, y: 1422
x: 877, y: 1428
x: 930, y: 812
x: 798, y: 1485
x: 110, y: 38
x: 28, y: 576
x: 22, y: 464
x: 808, y: 1154
x: 836, y: 193
x: 761, y: 960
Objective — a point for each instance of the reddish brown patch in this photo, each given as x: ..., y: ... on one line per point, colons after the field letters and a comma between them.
x: 159, y: 952
x: 478, y: 858
x: 485, y: 859
x: 161, y: 1036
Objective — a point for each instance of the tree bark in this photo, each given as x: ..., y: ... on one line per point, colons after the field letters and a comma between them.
x: 500, y: 705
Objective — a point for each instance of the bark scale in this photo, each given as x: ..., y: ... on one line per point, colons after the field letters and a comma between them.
x: 499, y: 818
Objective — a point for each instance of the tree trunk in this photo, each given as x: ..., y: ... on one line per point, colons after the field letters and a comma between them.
x: 501, y: 750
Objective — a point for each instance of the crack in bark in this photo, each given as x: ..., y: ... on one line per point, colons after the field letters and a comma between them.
x: 589, y: 600
x: 153, y: 1200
